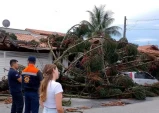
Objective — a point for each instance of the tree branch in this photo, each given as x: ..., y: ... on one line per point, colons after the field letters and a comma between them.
x: 51, y: 48
x: 67, y: 33
x: 103, y: 61
x: 85, y: 54
x: 59, y: 58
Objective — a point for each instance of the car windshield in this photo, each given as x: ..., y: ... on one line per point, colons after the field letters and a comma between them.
x: 143, y: 75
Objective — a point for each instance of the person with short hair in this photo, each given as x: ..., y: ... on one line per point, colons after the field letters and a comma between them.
x: 51, y: 91
x: 31, y: 78
x: 14, y: 81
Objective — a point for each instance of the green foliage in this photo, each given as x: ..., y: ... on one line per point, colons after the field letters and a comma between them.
x: 82, y: 47
x: 100, y: 23
x: 3, y: 33
x: 143, y: 67
x: 80, y: 79
x: 43, y: 40
x: 21, y: 68
x: 115, y: 92
x: 56, y: 41
x: 124, y: 81
x: 109, y: 92
x: 155, y: 88
x: 96, y: 63
x: 150, y: 94
x: 131, y: 50
x: 122, y: 43
x: 81, y: 31
x: 74, y: 71
x: 109, y: 47
x: 139, y: 92
x: 99, y: 83
x: 143, y: 57
x: 59, y: 66
x: 59, y: 38
x: 34, y: 43
x: 102, y: 92
x: 13, y: 36
x: 112, y: 58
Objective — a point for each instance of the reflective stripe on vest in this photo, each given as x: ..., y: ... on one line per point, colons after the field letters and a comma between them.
x: 29, y: 73
x: 30, y: 70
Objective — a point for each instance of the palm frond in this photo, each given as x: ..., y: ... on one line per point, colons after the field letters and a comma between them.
x: 93, y: 20
x: 107, y: 19
x: 107, y: 23
x: 90, y: 26
x: 99, y: 13
x: 100, y: 22
x: 113, y: 30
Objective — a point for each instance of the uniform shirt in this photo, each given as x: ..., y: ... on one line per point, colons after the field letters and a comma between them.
x: 14, y: 84
x: 31, y: 77
x: 53, y: 88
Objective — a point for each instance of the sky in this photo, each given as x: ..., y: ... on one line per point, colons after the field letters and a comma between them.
x: 60, y: 15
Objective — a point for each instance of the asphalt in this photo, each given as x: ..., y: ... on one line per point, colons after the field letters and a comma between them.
x: 150, y: 105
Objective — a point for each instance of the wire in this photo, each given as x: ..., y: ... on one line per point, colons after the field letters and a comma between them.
x: 145, y: 20
x: 142, y: 29
x: 135, y: 24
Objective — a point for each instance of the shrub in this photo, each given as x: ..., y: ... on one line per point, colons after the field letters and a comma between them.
x: 139, y: 92
x: 124, y: 81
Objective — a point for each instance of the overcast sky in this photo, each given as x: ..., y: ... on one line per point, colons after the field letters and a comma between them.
x: 60, y: 15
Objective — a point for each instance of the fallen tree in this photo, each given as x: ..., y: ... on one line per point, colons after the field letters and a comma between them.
x: 92, y: 73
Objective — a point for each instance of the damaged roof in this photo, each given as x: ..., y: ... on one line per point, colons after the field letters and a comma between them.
x: 31, y: 34
x: 151, y: 50
x: 42, y: 32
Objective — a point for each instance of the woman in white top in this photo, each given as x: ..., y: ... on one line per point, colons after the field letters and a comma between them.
x: 51, y: 91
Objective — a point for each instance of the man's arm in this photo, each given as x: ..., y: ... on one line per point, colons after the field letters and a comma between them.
x: 20, y: 79
x: 40, y: 75
x: 17, y: 77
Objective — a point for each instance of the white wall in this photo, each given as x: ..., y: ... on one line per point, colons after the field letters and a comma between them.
x: 65, y: 63
x: 6, y: 56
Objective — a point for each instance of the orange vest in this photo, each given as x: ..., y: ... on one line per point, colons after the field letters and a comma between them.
x: 30, y: 78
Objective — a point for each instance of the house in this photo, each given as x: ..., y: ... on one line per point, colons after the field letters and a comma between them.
x: 20, y: 50
x: 151, y: 50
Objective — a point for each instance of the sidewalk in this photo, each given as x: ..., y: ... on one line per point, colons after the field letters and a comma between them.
x: 132, y: 106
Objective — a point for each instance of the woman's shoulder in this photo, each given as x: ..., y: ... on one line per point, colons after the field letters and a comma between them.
x: 55, y: 83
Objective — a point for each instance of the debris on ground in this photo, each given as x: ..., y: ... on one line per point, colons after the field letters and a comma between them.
x: 84, y: 107
x: 72, y: 110
x: 66, y: 102
x: 115, y: 103
x: 8, y: 100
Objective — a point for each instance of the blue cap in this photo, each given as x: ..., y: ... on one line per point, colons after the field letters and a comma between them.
x: 31, y: 59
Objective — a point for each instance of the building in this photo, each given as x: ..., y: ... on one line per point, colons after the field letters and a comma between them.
x: 20, y: 50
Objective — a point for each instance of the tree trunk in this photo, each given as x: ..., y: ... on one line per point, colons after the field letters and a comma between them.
x: 103, y: 63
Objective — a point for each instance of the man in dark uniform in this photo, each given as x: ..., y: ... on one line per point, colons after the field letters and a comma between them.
x: 14, y: 80
x: 31, y: 78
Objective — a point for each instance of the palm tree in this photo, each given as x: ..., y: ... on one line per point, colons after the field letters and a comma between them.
x: 100, y: 23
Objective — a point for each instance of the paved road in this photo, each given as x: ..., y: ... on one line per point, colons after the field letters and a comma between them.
x: 151, y: 105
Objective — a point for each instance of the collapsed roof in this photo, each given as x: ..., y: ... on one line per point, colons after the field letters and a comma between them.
x: 150, y: 50
x: 29, y: 35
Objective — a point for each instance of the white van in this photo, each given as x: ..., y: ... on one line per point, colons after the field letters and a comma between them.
x: 141, y: 78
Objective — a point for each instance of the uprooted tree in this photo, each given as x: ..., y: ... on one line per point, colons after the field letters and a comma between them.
x: 97, y: 59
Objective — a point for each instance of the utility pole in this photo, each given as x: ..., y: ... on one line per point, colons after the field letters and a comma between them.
x: 124, y: 33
